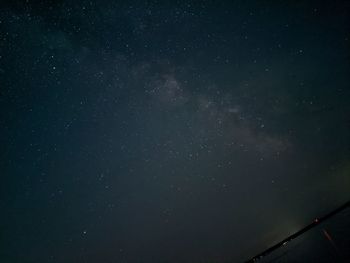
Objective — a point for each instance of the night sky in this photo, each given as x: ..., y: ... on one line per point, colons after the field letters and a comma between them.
x: 165, y: 132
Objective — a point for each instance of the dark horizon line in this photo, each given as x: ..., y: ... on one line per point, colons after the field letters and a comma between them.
x: 314, y: 223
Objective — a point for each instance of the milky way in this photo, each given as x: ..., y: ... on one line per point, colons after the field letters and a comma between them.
x: 183, y: 132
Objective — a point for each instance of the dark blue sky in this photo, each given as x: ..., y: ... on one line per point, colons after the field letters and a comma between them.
x: 169, y: 132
